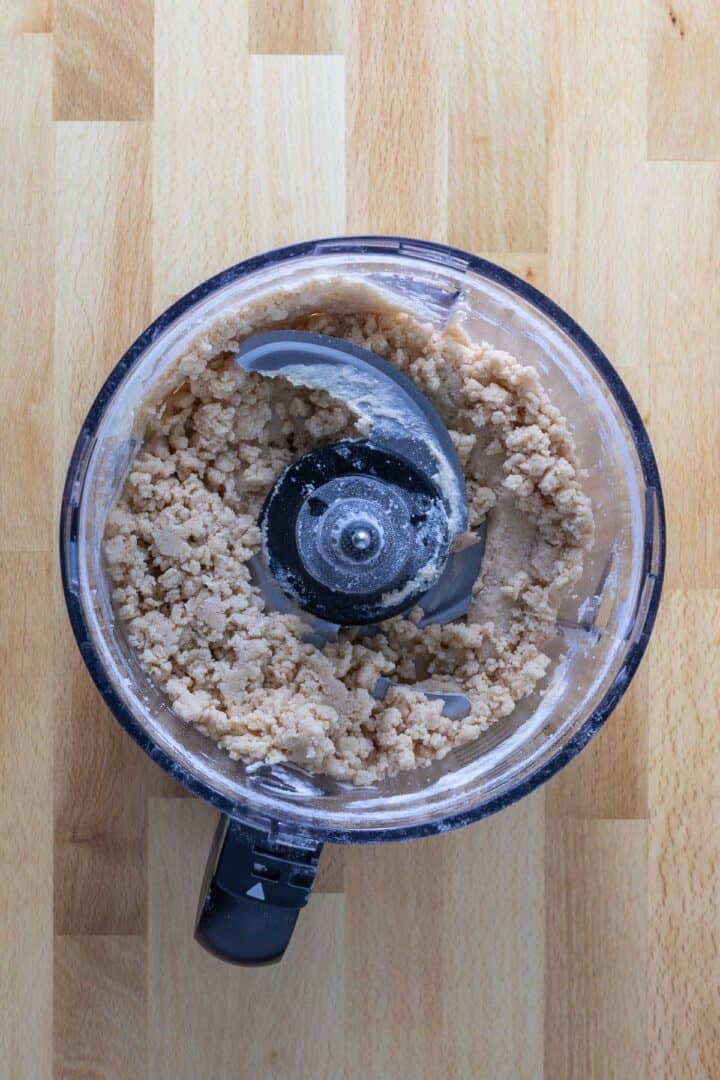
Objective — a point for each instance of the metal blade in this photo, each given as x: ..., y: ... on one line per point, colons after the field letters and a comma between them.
x: 451, y: 596
x: 586, y: 624
x: 275, y: 599
x: 319, y: 632
x: 447, y: 600
x: 403, y: 420
x: 456, y: 706
x: 322, y: 633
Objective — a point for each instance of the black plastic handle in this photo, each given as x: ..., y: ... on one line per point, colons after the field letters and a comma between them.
x: 251, y: 894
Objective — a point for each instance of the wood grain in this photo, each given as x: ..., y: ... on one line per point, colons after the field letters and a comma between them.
x: 201, y: 181
x: 597, y: 210
x: 26, y: 17
x: 497, y: 148
x: 100, y: 1007
x: 684, y: 839
x: 270, y: 1022
x: 26, y: 565
x: 331, y: 874
x: 530, y: 266
x: 103, y: 60
x: 684, y: 206
x: 683, y: 84
x: 596, y: 927
x: 426, y: 998
x: 102, y: 784
x: 493, y: 933
x: 102, y: 781
x: 395, y: 910
x: 103, y: 277
x: 26, y: 314
x: 609, y: 779
x: 26, y: 883
x: 298, y: 136
x: 297, y: 26
x: 598, y: 237
x: 397, y: 137
x: 149, y: 144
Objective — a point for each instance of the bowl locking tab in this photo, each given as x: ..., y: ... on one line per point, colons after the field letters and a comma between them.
x: 252, y: 892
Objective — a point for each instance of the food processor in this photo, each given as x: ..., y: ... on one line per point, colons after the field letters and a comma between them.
x: 356, y: 532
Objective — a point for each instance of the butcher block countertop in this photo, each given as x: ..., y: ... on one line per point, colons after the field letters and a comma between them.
x: 145, y: 146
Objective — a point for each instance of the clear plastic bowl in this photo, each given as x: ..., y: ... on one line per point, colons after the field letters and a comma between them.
x: 605, y: 625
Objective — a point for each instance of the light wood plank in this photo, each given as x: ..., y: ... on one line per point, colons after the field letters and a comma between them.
x: 26, y: 17
x: 102, y: 291
x: 279, y: 1021
x: 597, y: 237
x: 25, y: 573
x: 26, y: 628
x: 26, y: 314
x: 297, y: 26
x: 683, y: 84
x: 596, y: 950
x: 202, y: 124
x: 102, y: 783
x: 597, y: 206
x: 100, y: 1008
x: 597, y: 271
x: 103, y: 60
x: 297, y: 142
x: 684, y: 319
x: 609, y: 778
x: 497, y: 149
x: 103, y: 278
x: 331, y: 873
x: 530, y: 266
x: 394, y: 959
x: 421, y: 959
x: 493, y: 932
x: 684, y: 840
x: 397, y: 119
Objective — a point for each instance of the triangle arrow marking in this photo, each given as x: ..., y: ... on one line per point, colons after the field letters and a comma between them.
x: 256, y: 891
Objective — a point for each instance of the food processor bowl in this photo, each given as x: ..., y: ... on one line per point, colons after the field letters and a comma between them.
x: 281, y: 811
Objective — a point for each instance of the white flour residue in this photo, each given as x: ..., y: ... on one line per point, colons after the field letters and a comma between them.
x: 388, y: 413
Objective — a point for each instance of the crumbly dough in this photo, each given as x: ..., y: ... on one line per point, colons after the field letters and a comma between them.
x: 178, y: 541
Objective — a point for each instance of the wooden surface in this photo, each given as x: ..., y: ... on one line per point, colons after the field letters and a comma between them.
x: 147, y: 145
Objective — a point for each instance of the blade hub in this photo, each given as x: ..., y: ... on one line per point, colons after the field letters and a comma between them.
x: 361, y: 541
x: 349, y: 529
x: 358, y: 541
